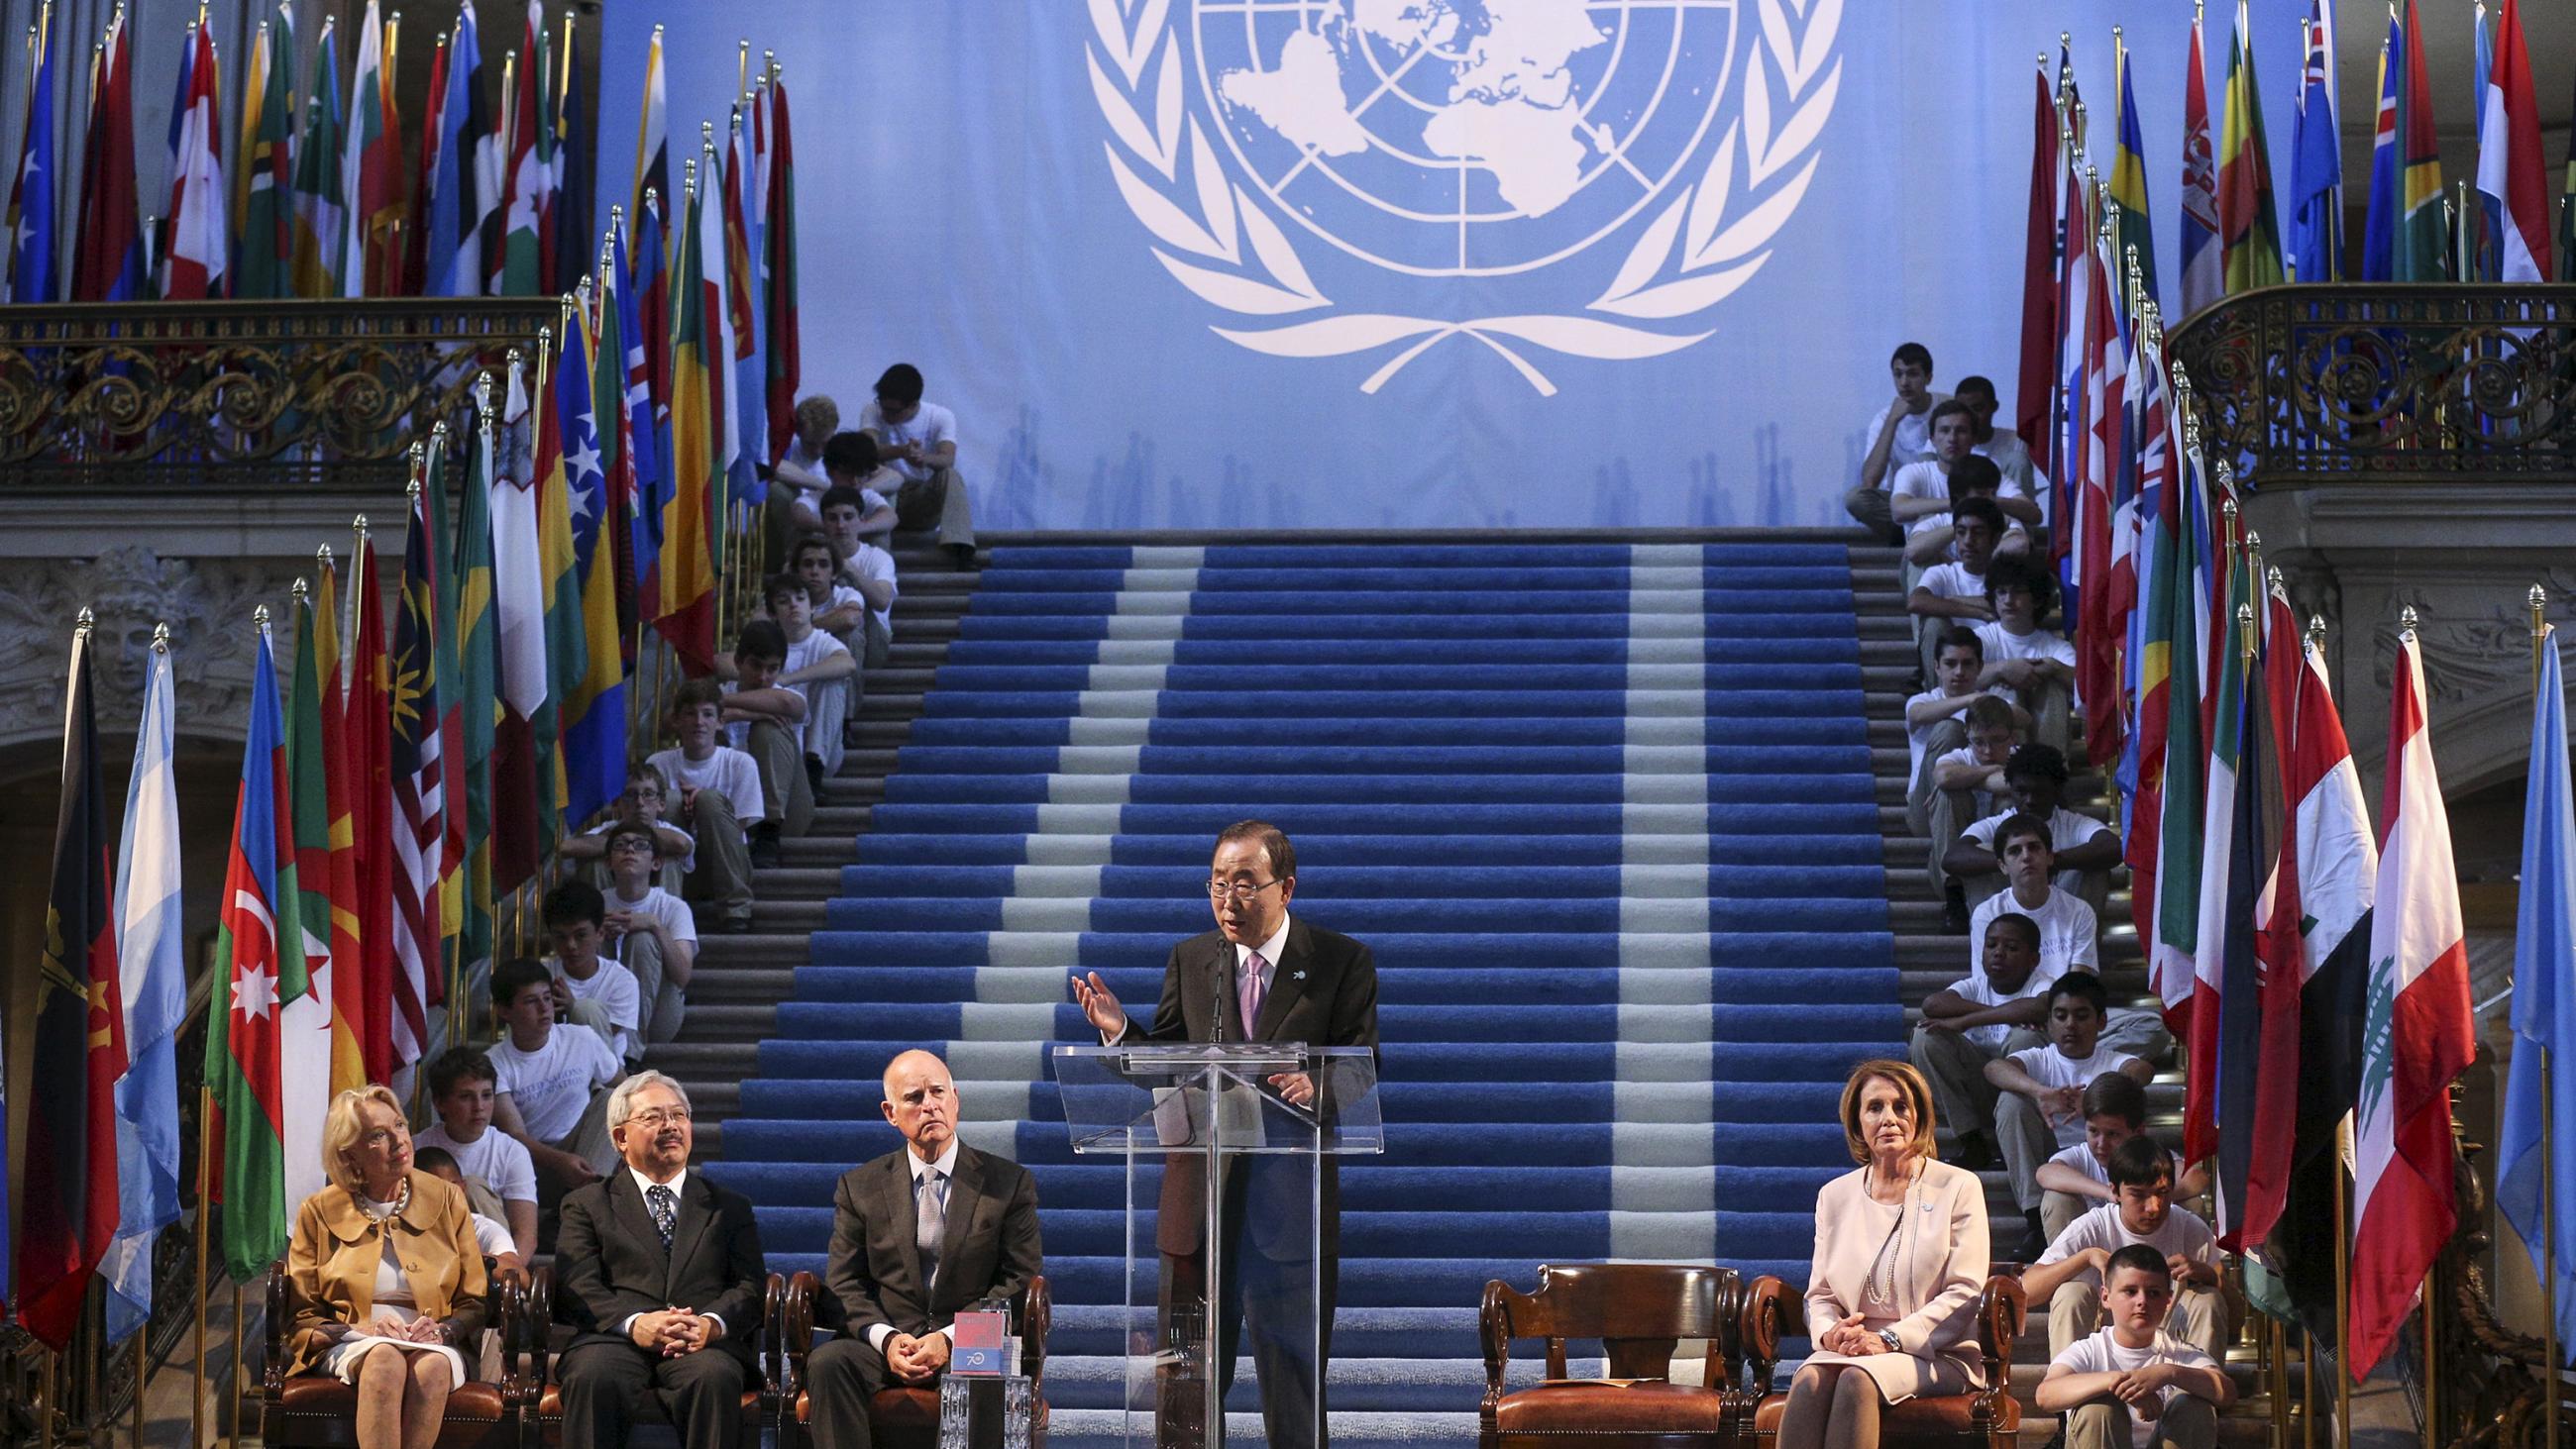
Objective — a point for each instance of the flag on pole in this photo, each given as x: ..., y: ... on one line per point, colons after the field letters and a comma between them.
x: 616, y: 434
x: 749, y: 387
x: 2217, y: 896
x: 419, y: 232
x: 2174, y: 652
x: 2245, y: 219
x: 461, y: 203
x: 2316, y: 159
x: 2544, y: 1008
x: 640, y: 436
x: 152, y: 981
x: 34, y: 241
x: 561, y: 573
x: 685, y: 609
x: 2129, y: 188
x: 2255, y: 952
x: 648, y: 343
x: 514, y: 263
x: 264, y: 190
x: 519, y: 615
x: 317, y: 1051
x: 2417, y: 1035
x: 438, y: 464
x: 394, y: 1028
x: 370, y: 169
x: 724, y: 419
x: 576, y: 142
x: 2510, y: 171
x: 70, y: 1208
x: 194, y: 264
x: 321, y: 220
x: 2036, y: 386
x: 594, y: 717
x: 2096, y: 646
x: 419, y: 777
x: 245, y: 1163
x: 2204, y: 273
x: 2379, y: 223
x: 108, y: 258
x: 652, y: 143
x: 2420, y: 248
x: 778, y: 236
x: 326, y: 864
x: 548, y: 102
x: 477, y: 679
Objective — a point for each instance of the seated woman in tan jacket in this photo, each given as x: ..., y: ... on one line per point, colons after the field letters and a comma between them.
x: 388, y: 1280
x: 1900, y: 1260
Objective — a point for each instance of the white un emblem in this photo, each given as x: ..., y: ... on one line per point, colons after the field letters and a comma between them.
x: 1441, y: 139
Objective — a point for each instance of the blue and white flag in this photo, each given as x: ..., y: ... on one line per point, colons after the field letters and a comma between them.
x: 153, y: 982
x: 2544, y: 1005
x: 35, y: 248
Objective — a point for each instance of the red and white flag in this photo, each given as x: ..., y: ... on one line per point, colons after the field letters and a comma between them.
x: 2510, y: 169
x: 194, y: 267
x: 2417, y: 1035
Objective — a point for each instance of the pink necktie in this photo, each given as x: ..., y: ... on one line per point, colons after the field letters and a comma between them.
x: 1248, y: 992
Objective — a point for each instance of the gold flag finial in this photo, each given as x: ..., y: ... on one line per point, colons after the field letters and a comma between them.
x: 300, y: 589
x: 161, y: 637
x: 2406, y: 621
x: 259, y: 618
x: 322, y: 558
x: 2280, y: 586
x: 83, y: 622
x: 358, y: 526
x: 438, y: 435
x: 2317, y: 631
x: 412, y: 491
x: 2538, y: 598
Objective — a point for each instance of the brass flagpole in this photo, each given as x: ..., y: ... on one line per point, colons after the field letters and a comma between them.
x: 2343, y: 1283
x: 205, y: 1211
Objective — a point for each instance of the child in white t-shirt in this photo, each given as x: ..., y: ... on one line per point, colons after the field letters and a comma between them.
x: 552, y: 1083
x: 498, y: 1171
x: 1994, y: 1009
x: 2041, y: 1103
x: 654, y: 932
x: 2021, y: 652
x: 1955, y: 592
x: 2069, y: 1274
x: 2078, y: 1178
x: 2132, y: 1384
x: 1962, y: 785
x: 720, y: 804
x: 766, y: 720
x: 590, y: 989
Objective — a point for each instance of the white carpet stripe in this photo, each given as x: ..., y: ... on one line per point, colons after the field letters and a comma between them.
x: 1129, y: 733
x: 1168, y: 556
x: 1662, y: 1096
x: 1145, y: 626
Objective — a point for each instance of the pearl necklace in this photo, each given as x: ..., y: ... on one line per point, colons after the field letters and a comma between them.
x: 1881, y: 1283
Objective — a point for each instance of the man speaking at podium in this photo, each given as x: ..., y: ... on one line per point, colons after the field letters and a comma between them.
x: 1260, y: 976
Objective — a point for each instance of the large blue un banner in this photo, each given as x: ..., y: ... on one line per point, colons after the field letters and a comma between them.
x: 1413, y: 263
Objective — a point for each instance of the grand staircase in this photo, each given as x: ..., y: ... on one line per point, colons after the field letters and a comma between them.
x: 1621, y: 819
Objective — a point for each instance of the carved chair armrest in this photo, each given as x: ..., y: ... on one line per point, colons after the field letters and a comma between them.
x: 279, y: 1299
x: 1759, y: 1326
x: 2002, y: 1309
x: 1037, y: 1317
x: 536, y: 1334
x: 796, y: 1332
x: 1494, y: 1328
x: 767, y: 1343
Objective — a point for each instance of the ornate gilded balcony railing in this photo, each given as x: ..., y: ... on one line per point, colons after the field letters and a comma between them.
x: 2388, y: 382
x: 244, y: 393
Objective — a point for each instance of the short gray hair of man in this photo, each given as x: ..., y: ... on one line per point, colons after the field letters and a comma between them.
x: 621, y: 1098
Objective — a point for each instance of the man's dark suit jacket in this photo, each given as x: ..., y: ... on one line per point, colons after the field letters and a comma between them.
x: 988, y: 1246
x: 1323, y: 992
x: 609, y: 1259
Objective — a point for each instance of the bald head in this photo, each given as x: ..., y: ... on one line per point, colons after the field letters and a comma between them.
x: 921, y: 1102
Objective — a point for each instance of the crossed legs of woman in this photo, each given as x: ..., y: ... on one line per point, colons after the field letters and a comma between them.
x: 401, y: 1398
x: 1831, y: 1406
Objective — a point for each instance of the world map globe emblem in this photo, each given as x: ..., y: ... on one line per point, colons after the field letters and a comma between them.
x: 1463, y: 138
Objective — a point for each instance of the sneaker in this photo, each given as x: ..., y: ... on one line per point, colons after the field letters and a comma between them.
x: 764, y: 844
x: 1954, y: 910
x: 814, y: 775
x: 960, y: 554
x: 2035, y: 1245
x: 1973, y: 1152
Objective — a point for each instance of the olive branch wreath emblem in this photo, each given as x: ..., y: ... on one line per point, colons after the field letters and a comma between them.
x: 1710, y: 239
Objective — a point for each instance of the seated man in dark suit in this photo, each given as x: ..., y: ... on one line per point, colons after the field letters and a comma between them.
x: 917, y: 1235
x: 661, y: 1271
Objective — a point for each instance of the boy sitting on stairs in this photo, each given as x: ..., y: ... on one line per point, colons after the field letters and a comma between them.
x: 721, y: 804
x: 2133, y: 1384
x: 766, y: 720
x: 2078, y: 1178
x: 2087, y: 850
x: 1966, y: 784
x: 2069, y: 1275
x: 2041, y: 1101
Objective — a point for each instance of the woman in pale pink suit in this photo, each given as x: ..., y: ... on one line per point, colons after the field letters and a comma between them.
x: 1900, y: 1260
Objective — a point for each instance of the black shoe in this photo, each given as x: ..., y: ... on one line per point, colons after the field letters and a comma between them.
x: 1973, y: 1152
x: 1954, y: 911
x: 960, y: 554
x: 764, y: 844
x: 814, y: 775
x: 2035, y: 1246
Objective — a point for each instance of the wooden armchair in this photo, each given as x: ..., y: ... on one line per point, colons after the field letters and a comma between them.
x: 1989, y: 1418
x: 902, y: 1416
x: 315, y: 1411
x: 1639, y: 1311
x: 541, y: 1404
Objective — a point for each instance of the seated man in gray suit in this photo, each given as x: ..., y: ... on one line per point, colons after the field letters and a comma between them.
x: 917, y: 1235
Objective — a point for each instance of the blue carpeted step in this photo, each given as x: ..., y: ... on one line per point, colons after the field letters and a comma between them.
x: 1138, y: 976
x: 845, y: 1137
x: 1101, y: 1184
x: 1161, y: 883
x: 1329, y: 787
x: 1484, y: 554
x: 1366, y: 917
x: 1303, y: 649
x: 1406, y: 1030
x: 1838, y: 702
x: 1357, y: 851
x: 1453, y: 819
x: 1787, y: 953
x: 1355, y: 678
x: 1446, y: 761
x: 1080, y: 1233
x: 1719, y: 602
x: 1270, y: 734
x: 1006, y: 576
x: 1830, y: 631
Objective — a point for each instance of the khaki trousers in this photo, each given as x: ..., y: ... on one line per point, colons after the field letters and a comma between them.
x: 2026, y: 1140
x: 722, y: 878
x: 1956, y: 1068
x: 772, y: 747
x: 665, y: 1007
x: 2058, y: 1209
x: 2188, y: 1422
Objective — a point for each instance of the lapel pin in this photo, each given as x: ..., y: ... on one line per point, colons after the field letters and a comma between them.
x: 1296, y: 975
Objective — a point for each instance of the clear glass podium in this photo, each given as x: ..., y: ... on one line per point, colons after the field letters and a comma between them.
x: 1249, y: 1266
